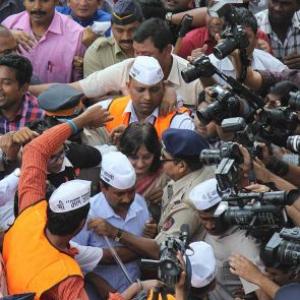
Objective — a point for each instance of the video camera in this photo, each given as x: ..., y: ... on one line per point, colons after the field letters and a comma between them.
x: 168, y: 266
x: 260, y: 214
x: 284, y: 247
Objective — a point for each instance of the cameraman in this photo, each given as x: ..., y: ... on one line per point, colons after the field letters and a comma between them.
x: 244, y: 268
x: 225, y: 241
x: 241, y: 266
x: 262, y: 174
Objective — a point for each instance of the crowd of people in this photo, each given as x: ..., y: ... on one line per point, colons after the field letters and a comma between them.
x: 142, y: 159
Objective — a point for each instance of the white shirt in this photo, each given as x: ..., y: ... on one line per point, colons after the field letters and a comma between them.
x: 136, y: 218
x: 114, y: 79
x: 8, y: 188
x: 180, y: 121
x: 261, y: 60
x: 88, y: 257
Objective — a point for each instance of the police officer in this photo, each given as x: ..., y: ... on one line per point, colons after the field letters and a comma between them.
x: 180, y: 156
x: 225, y: 241
x: 126, y: 17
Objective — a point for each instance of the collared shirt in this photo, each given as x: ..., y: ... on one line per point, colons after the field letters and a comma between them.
x: 52, y: 57
x: 261, y: 60
x: 115, y: 78
x: 134, y: 223
x: 99, y: 16
x: 28, y: 112
x: 177, y: 208
x: 291, y: 43
x: 10, y: 7
x: 180, y: 121
x: 225, y: 245
x: 103, y: 53
x: 194, y: 39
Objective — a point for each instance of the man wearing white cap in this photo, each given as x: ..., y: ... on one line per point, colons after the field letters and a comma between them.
x: 203, y: 265
x: 121, y: 207
x: 36, y: 250
x: 225, y: 241
x: 146, y: 91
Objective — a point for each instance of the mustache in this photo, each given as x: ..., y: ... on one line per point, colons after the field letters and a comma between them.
x: 126, y: 41
x: 38, y: 12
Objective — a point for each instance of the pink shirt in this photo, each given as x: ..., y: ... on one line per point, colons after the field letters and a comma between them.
x: 53, y: 55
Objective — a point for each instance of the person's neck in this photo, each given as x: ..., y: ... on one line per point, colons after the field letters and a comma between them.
x: 167, y: 67
x: 141, y: 117
x: 281, y: 29
x: 39, y: 29
x: 128, y: 52
x: 121, y: 212
x: 11, y: 113
x: 187, y: 172
x: 59, y: 242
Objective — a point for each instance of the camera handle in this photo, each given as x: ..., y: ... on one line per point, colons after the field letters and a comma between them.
x: 245, y: 62
x: 253, y: 100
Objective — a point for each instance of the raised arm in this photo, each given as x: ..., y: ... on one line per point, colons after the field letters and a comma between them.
x: 32, y: 186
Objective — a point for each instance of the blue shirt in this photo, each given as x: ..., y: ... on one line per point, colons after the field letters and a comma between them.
x: 99, y: 16
x: 134, y: 223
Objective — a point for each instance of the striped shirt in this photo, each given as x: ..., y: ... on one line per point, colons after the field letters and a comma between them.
x: 28, y: 112
x: 291, y: 43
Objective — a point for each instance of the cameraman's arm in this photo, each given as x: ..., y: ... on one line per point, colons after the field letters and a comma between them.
x: 200, y: 17
x: 242, y: 267
x: 142, y: 246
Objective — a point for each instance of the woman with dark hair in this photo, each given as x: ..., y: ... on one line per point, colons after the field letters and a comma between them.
x: 140, y: 143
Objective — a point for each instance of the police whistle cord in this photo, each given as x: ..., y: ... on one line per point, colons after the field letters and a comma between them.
x: 118, y: 259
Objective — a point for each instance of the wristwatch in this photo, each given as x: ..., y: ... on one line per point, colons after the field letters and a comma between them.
x: 118, y: 235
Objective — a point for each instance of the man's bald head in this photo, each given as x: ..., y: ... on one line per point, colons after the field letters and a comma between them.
x: 8, y: 43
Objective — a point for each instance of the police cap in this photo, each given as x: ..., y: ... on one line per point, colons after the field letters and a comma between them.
x: 126, y: 12
x: 183, y: 143
x: 61, y: 100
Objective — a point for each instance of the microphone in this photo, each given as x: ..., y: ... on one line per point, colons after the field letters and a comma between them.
x: 185, y: 234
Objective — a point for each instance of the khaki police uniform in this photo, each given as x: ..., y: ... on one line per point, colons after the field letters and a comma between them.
x: 232, y: 241
x: 176, y: 207
x: 103, y: 53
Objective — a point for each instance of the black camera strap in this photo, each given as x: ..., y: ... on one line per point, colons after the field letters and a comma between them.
x: 245, y: 63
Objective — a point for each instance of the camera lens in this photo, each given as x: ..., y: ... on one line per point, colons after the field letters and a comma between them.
x: 293, y: 143
x: 190, y: 74
x: 210, y: 156
x: 294, y: 101
x: 224, y: 48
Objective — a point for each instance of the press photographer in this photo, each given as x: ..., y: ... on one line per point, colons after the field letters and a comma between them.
x: 225, y: 240
x: 282, y: 252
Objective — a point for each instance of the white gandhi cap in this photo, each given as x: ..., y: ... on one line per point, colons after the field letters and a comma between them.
x: 117, y: 170
x: 146, y: 70
x: 203, y: 263
x: 205, y: 194
x: 70, y: 195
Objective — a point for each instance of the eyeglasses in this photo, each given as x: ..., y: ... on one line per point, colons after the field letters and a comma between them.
x: 163, y: 158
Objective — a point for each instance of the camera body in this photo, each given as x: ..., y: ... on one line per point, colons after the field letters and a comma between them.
x: 233, y: 38
x: 227, y: 150
x: 226, y: 105
x: 168, y: 266
x: 284, y: 247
